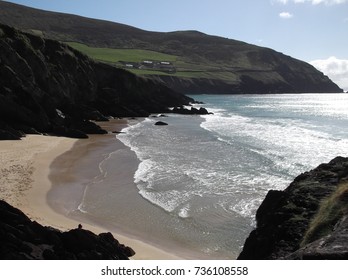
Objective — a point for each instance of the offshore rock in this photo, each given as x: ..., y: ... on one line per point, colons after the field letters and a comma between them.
x: 284, y: 217
x: 161, y: 123
x: 22, y: 238
x: 192, y: 111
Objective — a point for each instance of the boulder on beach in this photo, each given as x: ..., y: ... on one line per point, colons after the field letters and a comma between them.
x: 161, y: 123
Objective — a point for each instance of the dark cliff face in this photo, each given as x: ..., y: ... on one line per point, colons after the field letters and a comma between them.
x: 22, y: 239
x: 227, y: 66
x: 254, y: 83
x: 285, y: 217
x: 48, y: 87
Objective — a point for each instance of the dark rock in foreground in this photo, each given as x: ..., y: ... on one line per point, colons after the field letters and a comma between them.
x: 284, y: 218
x: 21, y: 238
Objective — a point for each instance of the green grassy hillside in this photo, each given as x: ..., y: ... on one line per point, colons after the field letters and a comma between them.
x: 115, y: 55
x: 184, y: 68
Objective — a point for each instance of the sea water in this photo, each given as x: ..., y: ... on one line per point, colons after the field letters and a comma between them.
x: 205, y: 176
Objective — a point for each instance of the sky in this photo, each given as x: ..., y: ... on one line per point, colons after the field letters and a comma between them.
x: 315, y: 31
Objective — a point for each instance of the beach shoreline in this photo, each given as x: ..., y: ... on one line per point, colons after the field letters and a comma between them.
x: 26, y: 182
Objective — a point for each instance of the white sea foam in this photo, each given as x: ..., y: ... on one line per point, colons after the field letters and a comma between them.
x: 143, y: 173
x: 246, y: 207
x: 184, y: 212
x: 282, y: 141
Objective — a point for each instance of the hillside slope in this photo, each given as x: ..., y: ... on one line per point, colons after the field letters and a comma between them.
x: 202, y: 60
x: 48, y: 87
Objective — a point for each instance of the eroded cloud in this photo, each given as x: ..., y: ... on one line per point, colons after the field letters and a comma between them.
x: 285, y: 15
x: 336, y: 69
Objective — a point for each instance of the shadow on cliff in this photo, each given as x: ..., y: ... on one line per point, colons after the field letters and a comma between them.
x: 48, y: 87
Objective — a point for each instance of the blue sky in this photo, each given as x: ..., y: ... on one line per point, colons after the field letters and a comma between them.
x: 315, y: 31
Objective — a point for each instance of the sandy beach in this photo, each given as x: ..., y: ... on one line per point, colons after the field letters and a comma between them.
x: 26, y: 177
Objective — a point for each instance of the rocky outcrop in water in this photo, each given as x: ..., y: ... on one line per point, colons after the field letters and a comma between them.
x: 22, y: 238
x: 48, y: 87
x: 308, y: 220
x: 192, y: 111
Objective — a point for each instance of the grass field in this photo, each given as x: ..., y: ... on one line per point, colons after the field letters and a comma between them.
x: 115, y: 55
x: 330, y: 211
x: 185, y: 69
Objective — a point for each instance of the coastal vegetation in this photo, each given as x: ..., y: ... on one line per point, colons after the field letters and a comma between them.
x: 331, y: 210
x: 110, y: 55
x: 184, y: 69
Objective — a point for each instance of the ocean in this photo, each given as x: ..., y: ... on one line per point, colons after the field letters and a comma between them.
x: 202, y: 178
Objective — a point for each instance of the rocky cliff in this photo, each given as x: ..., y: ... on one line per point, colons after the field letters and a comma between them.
x: 22, y: 238
x: 306, y: 80
x: 308, y: 220
x: 48, y: 87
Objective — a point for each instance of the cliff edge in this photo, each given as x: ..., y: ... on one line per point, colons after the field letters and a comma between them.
x: 308, y: 220
x: 48, y: 87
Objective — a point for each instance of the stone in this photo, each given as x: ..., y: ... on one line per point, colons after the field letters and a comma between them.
x: 160, y: 123
x: 192, y: 111
x: 7, y: 135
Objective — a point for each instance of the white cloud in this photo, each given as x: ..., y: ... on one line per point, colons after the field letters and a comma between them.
x: 336, y: 69
x: 315, y: 2
x: 286, y: 15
